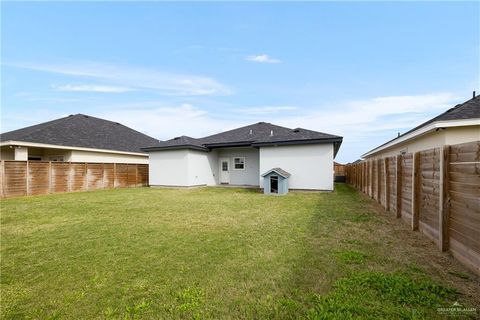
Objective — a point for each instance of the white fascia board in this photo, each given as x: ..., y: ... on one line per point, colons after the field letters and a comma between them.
x: 423, y: 130
x: 54, y: 146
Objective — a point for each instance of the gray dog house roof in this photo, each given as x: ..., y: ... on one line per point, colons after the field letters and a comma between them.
x: 278, y: 171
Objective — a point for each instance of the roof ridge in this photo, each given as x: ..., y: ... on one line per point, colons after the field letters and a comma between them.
x: 246, y: 126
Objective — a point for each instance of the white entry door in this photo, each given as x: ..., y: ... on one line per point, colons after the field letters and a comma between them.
x: 224, y: 170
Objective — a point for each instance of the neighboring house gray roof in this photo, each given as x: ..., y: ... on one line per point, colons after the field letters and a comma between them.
x: 279, y: 171
x: 258, y: 134
x: 467, y: 110
x: 470, y: 109
x: 83, y: 131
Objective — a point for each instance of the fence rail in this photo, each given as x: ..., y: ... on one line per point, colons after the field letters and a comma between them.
x: 436, y: 191
x: 22, y: 178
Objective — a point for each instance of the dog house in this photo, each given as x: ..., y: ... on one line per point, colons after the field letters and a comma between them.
x: 275, y: 181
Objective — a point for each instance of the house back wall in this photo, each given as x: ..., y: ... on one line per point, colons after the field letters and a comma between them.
x: 310, y: 166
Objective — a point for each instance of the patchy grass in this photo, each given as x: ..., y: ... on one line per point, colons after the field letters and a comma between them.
x: 375, y: 295
x: 351, y: 256
x: 219, y: 253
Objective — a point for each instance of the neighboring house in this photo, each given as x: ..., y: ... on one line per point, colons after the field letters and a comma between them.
x: 240, y: 156
x: 76, y: 138
x: 460, y: 124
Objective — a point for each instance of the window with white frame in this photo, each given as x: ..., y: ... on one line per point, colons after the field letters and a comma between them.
x: 239, y: 163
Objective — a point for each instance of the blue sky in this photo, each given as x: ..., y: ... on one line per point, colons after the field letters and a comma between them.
x: 364, y: 71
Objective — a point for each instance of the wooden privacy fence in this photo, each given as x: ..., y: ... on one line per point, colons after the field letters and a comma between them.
x: 22, y: 178
x: 436, y: 191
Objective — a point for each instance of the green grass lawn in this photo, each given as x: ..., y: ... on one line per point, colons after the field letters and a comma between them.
x: 219, y: 253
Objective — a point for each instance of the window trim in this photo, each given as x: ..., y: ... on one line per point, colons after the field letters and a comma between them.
x: 244, y: 163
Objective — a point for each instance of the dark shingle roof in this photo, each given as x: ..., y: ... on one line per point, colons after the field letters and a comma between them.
x: 467, y: 110
x: 470, y: 109
x: 181, y: 142
x: 298, y: 134
x: 250, y: 133
x: 258, y: 134
x: 83, y: 131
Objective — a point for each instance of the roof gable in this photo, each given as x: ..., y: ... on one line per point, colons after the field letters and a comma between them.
x: 83, y: 131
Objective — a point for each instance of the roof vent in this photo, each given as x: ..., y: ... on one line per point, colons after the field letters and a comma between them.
x: 251, y: 131
x: 296, y: 130
x: 176, y: 138
x: 473, y: 94
x: 271, y: 133
x: 86, y: 116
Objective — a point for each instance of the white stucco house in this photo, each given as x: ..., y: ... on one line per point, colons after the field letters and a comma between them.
x: 241, y: 156
x: 76, y: 138
x: 460, y: 124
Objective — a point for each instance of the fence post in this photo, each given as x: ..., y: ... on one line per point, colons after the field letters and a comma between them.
x: 85, y: 179
x: 358, y: 175
x: 2, y: 173
x: 136, y: 175
x: 415, y: 190
x: 387, y: 184
x: 69, y: 177
x: 398, y: 186
x: 444, y: 205
x: 379, y: 200
x: 50, y: 177
x: 363, y: 176
x: 27, y: 173
x: 370, y: 180
x: 365, y: 164
x: 103, y: 175
x: 114, y: 175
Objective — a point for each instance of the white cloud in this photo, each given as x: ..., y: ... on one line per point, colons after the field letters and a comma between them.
x: 165, y: 122
x: 262, y: 58
x: 92, y: 88
x: 137, y: 77
x: 371, y: 115
x: 365, y: 124
x: 266, y: 110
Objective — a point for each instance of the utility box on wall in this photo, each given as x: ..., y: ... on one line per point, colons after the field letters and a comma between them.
x: 275, y: 181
